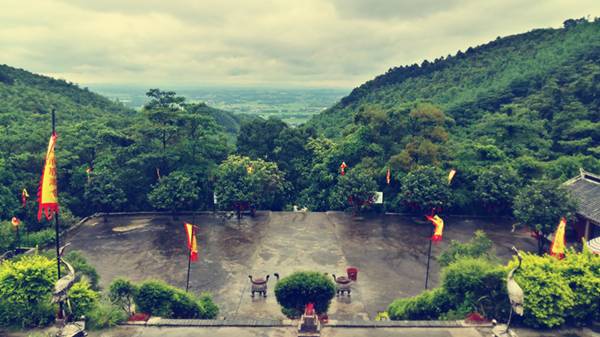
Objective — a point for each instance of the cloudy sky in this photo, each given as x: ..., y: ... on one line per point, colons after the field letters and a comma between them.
x: 312, y: 43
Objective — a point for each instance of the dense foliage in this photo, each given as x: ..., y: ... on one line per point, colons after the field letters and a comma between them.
x: 559, y: 292
x: 25, y: 289
x: 479, y: 246
x: 294, y: 292
x: 505, y: 114
x: 556, y: 292
x: 468, y: 285
x: 160, y: 299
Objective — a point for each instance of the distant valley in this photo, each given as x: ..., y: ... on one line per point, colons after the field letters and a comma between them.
x: 292, y: 105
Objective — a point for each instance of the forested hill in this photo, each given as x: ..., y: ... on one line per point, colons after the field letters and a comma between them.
x: 544, y: 69
x: 126, y: 150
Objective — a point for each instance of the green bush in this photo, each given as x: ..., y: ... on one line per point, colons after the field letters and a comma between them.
x: 42, y: 238
x: 479, y: 246
x: 25, y: 289
x: 82, y: 299
x: 582, y: 272
x: 83, y: 268
x: 560, y: 291
x: 428, y: 305
x: 295, y: 291
x: 121, y: 293
x: 160, y: 299
x: 475, y: 284
x: 105, y: 315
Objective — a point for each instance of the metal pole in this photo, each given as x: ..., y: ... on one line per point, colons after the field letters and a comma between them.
x: 17, y: 241
x: 428, y: 259
x: 57, y: 230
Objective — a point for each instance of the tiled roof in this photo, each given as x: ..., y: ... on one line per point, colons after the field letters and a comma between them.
x: 586, y: 190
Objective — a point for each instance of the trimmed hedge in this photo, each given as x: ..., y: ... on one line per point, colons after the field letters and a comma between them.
x: 295, y: 291
x: 429, y: 305
x: 160, y: 299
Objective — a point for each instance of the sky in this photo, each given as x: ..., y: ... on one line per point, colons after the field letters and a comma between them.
x: 287, y: 43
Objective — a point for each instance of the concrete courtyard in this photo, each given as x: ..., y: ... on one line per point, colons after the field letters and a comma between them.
x: 389, y: 251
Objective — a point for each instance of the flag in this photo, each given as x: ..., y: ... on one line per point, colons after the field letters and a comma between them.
x: 15, y: 222
x: 557, y: 249
x: 24, y: 196
x: 190, y: 231
x: 343, y: 168
x: 439, y: 227
x: 451, y: 175
x: 388, y: 176
x: 48, y: 190
x: 88, y: 171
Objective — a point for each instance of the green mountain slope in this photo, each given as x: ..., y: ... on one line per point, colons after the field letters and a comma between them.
x: 126, y: 149
x: 544, y: 69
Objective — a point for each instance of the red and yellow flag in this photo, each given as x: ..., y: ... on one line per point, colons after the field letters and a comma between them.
x: 24, y: 196
x: 388, y: 176
x: 48, y: 191
x: 190, y: 231
x: 451, y: 175
x: 343, y: 168
x: 557, y: 249
x: 439, y: 227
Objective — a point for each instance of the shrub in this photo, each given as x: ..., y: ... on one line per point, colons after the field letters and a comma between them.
x: 557, y: 292
x: 83, y: 268
x: 479, y: 246
x: 25, y: 289
x: 295, y: 291
x: 582, y: 272
x: 475, y: 284
x: 121, y: 293
x: 104, y: 315
x: 42, y: 238
x: 82, y: 298
x: 160, y: 299
x: 428, y: 305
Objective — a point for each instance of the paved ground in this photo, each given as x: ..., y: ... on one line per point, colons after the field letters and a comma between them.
x: 390, y: 252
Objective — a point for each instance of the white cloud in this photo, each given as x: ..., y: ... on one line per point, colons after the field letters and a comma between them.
x: 310, y: 42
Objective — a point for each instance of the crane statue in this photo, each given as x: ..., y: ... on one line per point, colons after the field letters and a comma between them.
x: 515, y: 293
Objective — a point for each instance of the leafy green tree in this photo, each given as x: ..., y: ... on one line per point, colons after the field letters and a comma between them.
x: 121, y: 293
x: 425, y: 189
x: 243, y: 180
x: 257, y: 137
x: 103, y: 193
x: 356, y: 189
x: 540, y: 205
x: 496, y: 187
x: 175, y: 192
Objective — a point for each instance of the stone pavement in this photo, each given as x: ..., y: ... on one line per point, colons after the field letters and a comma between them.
x: 389, y: 251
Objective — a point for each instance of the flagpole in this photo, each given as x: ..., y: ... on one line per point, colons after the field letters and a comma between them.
x: 428, y: 259
x: 56, y: 229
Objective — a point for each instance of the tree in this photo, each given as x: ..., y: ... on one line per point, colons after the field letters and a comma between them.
x: 121, y: 293
x: 242, y: 180
x: 174, y: 192
x: 257, y: 137
x: 356, y: 188
x: 540, y: 206
x: 425, y: 189
x: 495, y: 187
x: 103, y: 193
